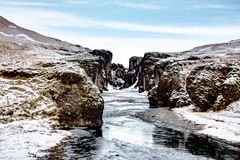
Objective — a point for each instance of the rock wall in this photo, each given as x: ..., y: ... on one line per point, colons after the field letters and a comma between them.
x: 209, y: 83
x: 133, y: 71
x: 116, y: 78
x: 98, y: 67
x: 43, y: 77
x: 147, y: 70
x: 214, y: 85
x: 60, y: 92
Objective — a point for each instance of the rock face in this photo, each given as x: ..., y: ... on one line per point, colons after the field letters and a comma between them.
x: 171, y: 90
x: 152, y: 97
x: 206, y: 76
x: 42, y: 77
x: 133, y: 71
x: 147, y: 66
x: 98, y: 68
x: 213, y: 86
x: 62, y: 93
x: 117, y: 75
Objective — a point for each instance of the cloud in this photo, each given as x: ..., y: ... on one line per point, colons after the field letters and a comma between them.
x: 52, y: 19
x: 27, y: 3
x: 144, y: 5
x: 50, y: 22
x: 202, y: 5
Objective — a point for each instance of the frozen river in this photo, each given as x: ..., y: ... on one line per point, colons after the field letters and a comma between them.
x: 125, y: 137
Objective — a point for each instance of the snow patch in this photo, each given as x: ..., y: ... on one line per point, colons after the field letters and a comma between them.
x: 24, y: 36
x: 27, y: 138
x: 7, y: 35
x: 20, y: 36
x: 223, y: 124
x: 10, y: 26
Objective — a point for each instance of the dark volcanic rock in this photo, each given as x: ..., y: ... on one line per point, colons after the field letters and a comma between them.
x: 171, y: 90
x: 152, y: 97
x: 134, y: 68
x: 213, y: 86
x: 146, y: 76
x: 117, y: 75
x: 98, y: 69
x: 231, y: 86
x: 134, y: 63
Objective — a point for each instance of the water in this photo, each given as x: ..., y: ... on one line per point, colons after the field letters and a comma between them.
x: 125, y: 137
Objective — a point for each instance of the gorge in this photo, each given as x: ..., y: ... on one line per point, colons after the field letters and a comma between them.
x: 86, y: 107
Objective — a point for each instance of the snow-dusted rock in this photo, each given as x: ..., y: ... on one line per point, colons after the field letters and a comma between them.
x: 60, y: 92
x: 147, y: 66
x: 42, y: 77
x: 212, y: 86
x: 133, y: 71
x: 117, y: 75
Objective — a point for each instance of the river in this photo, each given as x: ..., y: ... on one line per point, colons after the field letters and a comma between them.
x: 125, y: 137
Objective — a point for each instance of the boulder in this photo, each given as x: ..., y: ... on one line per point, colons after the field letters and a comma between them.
x: 152, y: 97
x: 171, y: 91
x: 60, y: 92
x: 78, y: 101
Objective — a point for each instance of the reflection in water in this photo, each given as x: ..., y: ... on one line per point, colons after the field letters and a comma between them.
x: 85, y: 143
x: 168, y: 137
x: 195, y: 144
x: 217, y: 150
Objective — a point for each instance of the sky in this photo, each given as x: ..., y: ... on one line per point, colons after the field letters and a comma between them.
x: 129, y: 27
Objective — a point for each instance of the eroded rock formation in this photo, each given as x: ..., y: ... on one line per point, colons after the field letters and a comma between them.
x: 213, y: 86
x: 117, y: 75
x: 147, y: 66
x: 42, y: 77
x: 207, y: 78
x: 62, y: 93
x: 133, y: 71
x: 98, y: 67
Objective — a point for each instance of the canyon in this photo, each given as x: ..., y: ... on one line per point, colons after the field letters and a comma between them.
x: 49, y: 86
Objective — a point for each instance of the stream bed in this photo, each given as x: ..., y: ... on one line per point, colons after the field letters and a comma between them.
x: 125, y: 137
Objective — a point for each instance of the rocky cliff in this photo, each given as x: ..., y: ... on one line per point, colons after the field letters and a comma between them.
x: 43, y: 77
x: 133, y: 71
x: 117, y: 75
x: 206, y: 76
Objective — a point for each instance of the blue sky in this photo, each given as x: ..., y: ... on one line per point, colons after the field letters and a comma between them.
x: 129, y: 27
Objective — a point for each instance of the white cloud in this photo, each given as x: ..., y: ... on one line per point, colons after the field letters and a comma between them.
x: 52, y: 19
x: 27, y: 3
x: 146, y: 5
x: 48, y: 22
x: 202, y: 5
x: 138, y: 5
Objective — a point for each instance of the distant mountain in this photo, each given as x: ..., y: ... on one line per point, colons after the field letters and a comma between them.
x: 217, y: 49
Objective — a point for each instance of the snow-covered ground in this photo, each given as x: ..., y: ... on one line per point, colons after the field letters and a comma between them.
x: 20, y: 37
x: 223, y: 124
x: 27, y: 138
